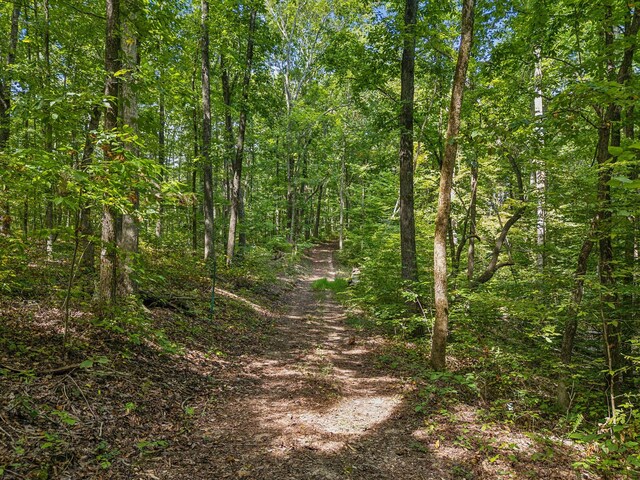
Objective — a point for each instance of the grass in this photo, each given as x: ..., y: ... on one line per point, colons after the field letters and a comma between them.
x: 338, y: 285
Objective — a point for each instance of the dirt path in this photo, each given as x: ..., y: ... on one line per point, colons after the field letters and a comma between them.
x: 313, y: 405
x: 293, y: 396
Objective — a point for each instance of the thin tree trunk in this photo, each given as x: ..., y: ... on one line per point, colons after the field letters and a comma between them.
x: 440, y: 327
x: 229, y: 153
x: 316, y: 227
x: 236, y: 187
x: 129, y: 232
x: 407, y: 219
x: 207, y: 169
x: 609, y: 134
x: 471, y: 253
x: 5, y: 116
x: 343, y: 175
x: 571, y: 326
x: 540, y: 175
x: 161, y: 161
x: 87, y: 246
x: 107, y: 280
x: 48, y: 132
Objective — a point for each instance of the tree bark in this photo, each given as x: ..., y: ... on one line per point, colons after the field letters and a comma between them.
x: 229, y: 149
x: 161, y: 160
x: 5, y: 107
x: 609, y: 134
x: 342, y: 193
x: 237, y: 206
x: 571, y: 326
x: 48, y: 132
x: 316, y: 226
x: 407, y: 218
x: 87, y: 245
x: 540, y: 175
x: 129, y: 231
x: 106, y: 292
x: 471, y: 253
x: 440, y: 327
x: 207, y: 169
x: 494, y: 264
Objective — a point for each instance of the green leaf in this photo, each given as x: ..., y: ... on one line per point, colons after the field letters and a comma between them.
x: 87, y: 364
x: 615, y: 151
x: 620, y: 179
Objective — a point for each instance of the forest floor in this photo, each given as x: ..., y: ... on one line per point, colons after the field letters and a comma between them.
x: 280, y: 386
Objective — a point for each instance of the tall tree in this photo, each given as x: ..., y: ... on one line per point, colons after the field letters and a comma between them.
x: 207, y: 166
x: 609, y: 136
x: 236, y: 166
x: 440, y: 327
x: 106, y: 292
x: 5, y: 107
x: 407, y: 218
x: 128, y: 231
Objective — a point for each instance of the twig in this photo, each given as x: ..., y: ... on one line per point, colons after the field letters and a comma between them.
x: 53, y: 371
x: 83, y: 396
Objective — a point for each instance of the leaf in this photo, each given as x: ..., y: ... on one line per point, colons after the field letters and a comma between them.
x: 87, y: 364
x: 620, y: 179
x: 616, y: 151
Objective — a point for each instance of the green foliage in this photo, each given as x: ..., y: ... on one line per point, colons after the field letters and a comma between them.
x: 338, y: 285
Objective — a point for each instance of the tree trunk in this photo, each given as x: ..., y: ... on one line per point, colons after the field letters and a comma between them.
x: 207, y: 169
x: 440, y: 327
x: 407, y: 219
x: 229, y: 150
x: 87, y: 246
x: 540, y: 175
x: 471, y: 253
x: 237, y: 206
x: 5, y: 116
x: 48, y: 132
x: 107, y: 281
x: 343, y: 175
x: 316, y: 226
x: 571, y: 326
x: 161, y: 161
x: 609, y: 134
x: 129, y: 232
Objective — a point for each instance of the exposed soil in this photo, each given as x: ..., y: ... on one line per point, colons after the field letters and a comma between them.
x: 290, y: 395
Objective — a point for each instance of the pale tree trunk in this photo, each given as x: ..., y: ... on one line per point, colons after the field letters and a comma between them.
x: 5, y: 116
x: 48, y: 131
x: 343, y: 180
x: 440, y: 327
x: 237, y: 206
x: 407, y: 219
x: 540, y: 175
x: 471, y: 253
x: 161, y: 161
x: 207, y: 169
x: 106, y: 292
x: 128, y: 234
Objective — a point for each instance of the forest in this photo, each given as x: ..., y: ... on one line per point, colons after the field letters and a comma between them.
x: 319, y: 239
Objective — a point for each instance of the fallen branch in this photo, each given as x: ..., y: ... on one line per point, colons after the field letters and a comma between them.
x: 39, y: 373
